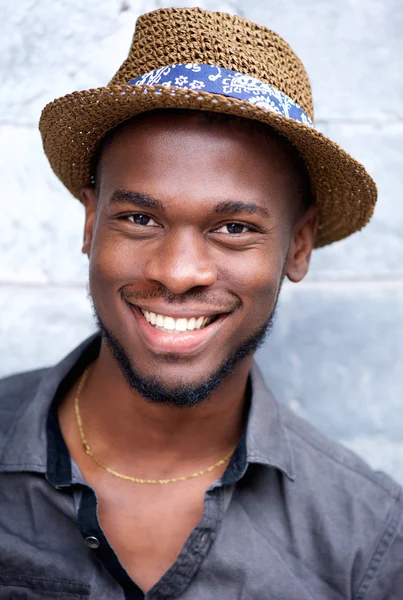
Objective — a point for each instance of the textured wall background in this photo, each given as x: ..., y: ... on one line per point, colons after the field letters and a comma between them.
x: 336, y: 352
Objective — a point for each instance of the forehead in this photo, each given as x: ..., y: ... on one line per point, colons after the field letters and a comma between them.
x: 187, y: 154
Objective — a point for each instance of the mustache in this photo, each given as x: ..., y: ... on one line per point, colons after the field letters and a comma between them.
x: 199, y: 296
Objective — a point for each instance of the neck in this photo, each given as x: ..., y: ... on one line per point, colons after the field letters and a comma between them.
x: 124, y: 426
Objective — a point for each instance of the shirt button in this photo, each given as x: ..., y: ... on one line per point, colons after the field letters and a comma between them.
x: 92, y: 542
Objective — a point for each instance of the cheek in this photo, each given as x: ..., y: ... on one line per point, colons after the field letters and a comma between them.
x: 114, y: 260
x: 256, y: 277
x: 114, y: 263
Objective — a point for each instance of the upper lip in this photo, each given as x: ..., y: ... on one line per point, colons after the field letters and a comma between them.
x: 179, y: 312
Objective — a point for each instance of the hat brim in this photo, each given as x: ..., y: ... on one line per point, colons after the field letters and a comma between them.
x: 73, y: 126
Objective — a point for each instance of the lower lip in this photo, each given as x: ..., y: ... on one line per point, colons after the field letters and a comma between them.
x: 164, y: 342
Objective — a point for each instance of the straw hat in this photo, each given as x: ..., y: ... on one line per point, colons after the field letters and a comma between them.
x: 202, y: 60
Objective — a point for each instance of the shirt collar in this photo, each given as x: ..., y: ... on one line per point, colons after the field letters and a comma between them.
x: 267, y: 441
x: 27, y: 446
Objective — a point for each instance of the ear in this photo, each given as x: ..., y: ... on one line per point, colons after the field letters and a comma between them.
x: 89, y: 199
x: 302, y: 242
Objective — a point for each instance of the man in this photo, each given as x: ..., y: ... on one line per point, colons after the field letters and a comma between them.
x: 153, y: 462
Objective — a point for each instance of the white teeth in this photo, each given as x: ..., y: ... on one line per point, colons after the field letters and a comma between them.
x: 177, y: 325
x: 181, y: 324
x: 169, y: 323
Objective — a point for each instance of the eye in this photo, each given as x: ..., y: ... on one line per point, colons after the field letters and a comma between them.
x: 140, y: 219
x: 233, y: 228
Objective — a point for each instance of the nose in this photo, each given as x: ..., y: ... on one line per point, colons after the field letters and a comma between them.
x: 182, y: 262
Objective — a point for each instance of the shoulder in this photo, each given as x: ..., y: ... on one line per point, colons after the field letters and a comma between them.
x: 341, y: 497
x: 349, y: 510
x: 20, y: 384
x: 15, y: 392
x: 315, y: 455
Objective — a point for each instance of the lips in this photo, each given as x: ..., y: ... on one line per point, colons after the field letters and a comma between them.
x: 172, y: 337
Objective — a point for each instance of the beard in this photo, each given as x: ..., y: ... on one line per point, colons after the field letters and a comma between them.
x: 183, y: 395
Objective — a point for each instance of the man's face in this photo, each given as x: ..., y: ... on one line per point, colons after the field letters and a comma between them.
x: 190, y: 228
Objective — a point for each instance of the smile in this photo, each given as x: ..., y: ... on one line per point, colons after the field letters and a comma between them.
x: 165, y: 334
x: 180, y: 325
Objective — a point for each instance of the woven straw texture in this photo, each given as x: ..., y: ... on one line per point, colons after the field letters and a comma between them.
x: 73, y: 126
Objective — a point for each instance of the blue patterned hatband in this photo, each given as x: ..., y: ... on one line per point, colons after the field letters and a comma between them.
x: 217, y: 80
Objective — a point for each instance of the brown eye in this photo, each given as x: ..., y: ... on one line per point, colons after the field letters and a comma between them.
x: 233, y: 228
x: 140, y: 219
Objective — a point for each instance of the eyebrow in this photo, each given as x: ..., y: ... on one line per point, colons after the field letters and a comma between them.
x: 137, y: 199
x: 231, y: 207
x: 227, y: 207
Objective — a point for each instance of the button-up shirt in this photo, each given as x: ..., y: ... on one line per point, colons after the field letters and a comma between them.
x: 294, y: 517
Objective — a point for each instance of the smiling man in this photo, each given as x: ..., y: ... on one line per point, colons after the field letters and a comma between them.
x: 153, y: 462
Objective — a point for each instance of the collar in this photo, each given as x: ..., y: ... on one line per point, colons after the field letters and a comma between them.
x: 25, y: 443
x: 267, y: 441
x: 33, y: 428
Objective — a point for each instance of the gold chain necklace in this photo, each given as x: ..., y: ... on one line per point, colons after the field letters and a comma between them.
x: 88, y: 451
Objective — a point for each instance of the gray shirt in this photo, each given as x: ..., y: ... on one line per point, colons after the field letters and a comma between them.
x: 294, y: 517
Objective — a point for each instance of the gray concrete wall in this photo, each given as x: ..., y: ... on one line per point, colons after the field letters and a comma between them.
x: 336, y: 354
